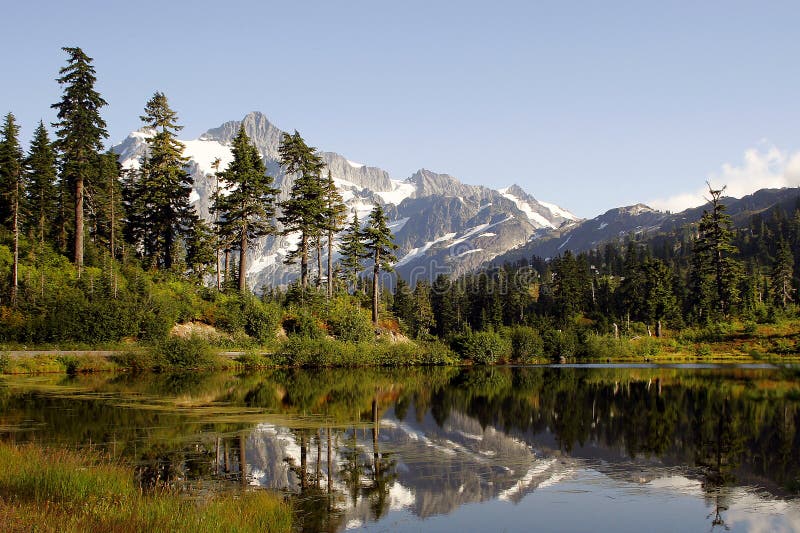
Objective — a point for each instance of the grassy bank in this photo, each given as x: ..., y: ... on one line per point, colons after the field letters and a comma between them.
x: 56, y: 490
x: 734, y: 342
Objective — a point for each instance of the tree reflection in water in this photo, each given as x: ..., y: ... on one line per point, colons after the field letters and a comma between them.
x: 723, y: 427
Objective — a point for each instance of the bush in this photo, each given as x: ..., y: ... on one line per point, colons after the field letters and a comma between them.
x: 482, y: 347
x: 558, y: 343
x: 301, y: 323
x: 261, y: 319
x: 437, y: 353
x: 350, y: 323
x: 191, y: 353
x: 526, y: 343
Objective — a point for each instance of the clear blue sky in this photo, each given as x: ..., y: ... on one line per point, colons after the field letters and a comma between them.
x: 587, y: 104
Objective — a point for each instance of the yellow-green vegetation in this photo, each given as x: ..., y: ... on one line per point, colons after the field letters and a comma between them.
x: 45, y: 489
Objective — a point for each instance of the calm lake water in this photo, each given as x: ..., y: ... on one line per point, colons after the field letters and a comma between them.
x: 601, y: 448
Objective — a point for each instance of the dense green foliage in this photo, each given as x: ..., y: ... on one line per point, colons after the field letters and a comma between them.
x: 148, y: 260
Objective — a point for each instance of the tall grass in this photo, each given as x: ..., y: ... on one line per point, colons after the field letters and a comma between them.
x: 57, y: 490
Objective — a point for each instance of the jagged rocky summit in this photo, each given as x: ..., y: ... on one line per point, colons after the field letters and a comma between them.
x: 440, y: 224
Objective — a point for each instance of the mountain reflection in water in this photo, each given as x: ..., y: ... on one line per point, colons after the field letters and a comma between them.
x: 656, y: 448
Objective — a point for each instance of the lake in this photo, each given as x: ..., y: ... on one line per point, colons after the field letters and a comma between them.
x: 550, y: 448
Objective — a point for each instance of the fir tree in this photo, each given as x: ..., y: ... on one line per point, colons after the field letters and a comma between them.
x: 11, y: 190
x: 41, y: 190
x: 158, y: 202
x: 201, y: 249
x: 715, y: 271
x: 80, y: 132
x: 380, y: 245
x: 335, y: 217
x: 782, y: 276
x: 304, y: 210
x: 246, y: 212
x: 423, y: 320
x: 353, y: 251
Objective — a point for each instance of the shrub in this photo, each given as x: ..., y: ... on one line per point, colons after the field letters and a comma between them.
x: 191, y: 353
x: 301, y: 323
x: 437, y: 353
x: 526, y: 343
x: 558, y: 343
x: 5, y: 363
x: 482, y: 347
x: 261, y: 319
x: 350, y: 323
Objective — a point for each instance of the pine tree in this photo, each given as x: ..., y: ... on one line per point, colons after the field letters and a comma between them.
x: 380, y: 245
x: 158, y: 202
x: 423, y: 320
x: 247, y: 210
x: 353, y: 251
x: 782, y: 276
x: 80, y: 132
x: 41, y: 192
x: 11, y: 190
x: 335, y: 217
x: 201, y: 249
x: 715, y: 271
x: 304, y: 210
x: 403, y: 303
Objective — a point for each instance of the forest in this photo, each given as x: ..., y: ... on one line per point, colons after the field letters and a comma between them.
x: 95, y: 255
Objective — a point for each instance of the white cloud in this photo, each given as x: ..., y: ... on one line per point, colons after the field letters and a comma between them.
x: 764, y: 167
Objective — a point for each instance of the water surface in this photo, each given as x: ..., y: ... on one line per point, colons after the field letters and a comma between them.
x: 623, y: 448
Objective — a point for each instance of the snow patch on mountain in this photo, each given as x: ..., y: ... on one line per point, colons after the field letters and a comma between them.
x: 525, y: 207
x: 400, y: 191
x: 558, y: 211
x: 420, y: 251
x: 204, y: 152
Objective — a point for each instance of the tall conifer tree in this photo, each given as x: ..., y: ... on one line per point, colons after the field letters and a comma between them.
x: 11, y: 190
x: 160, y: 211
x: 41, y: 190
x: 246, y: 212
x: 304, y: 210
x: 380, y: 245
x: 80, y: 132
x: 353, y: 251
x: 335, y: 217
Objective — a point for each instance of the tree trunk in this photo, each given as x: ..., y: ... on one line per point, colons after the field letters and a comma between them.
x: 227, y: 264
x: 243, y: 260
x: 219, y: 271
x: 15, y: 270
x: 319, y: 261
x: 375, y: 290
x: 304, y: 261
x: 330, y: 265
x: 79, y: 224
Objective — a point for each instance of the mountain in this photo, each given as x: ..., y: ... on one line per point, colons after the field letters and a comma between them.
x: 440, y: 224
x: 615, y: 225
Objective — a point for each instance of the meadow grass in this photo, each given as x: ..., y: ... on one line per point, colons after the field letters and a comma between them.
x: 43, y: 489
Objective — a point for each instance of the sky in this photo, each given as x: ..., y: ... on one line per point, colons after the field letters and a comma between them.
x: 590, y: 105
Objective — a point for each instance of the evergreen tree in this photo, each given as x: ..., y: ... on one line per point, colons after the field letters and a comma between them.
x: 335, y: 217
x: 403, y: 303
x: 106, y: 211
x: 423, y: 321
x: 158, y: 202
x: 783, y: 276
x: 11, y: 190
x: 246, y: 212
x: 41, y: 193
x: 715, y: 271
x: 353, y: 251
x: 304, y: 210
x: 80, y: 132
x: 201, y: 249
x: 380, y: 245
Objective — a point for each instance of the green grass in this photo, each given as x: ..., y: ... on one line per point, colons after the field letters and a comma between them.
x: 45, y: 489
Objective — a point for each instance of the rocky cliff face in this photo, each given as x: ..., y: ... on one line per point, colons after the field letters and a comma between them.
x: 440, y: 224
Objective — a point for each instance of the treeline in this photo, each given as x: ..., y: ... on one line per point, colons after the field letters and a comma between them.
x: 91, y: 252
x: 703, y: 276
x: 94, y: 252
